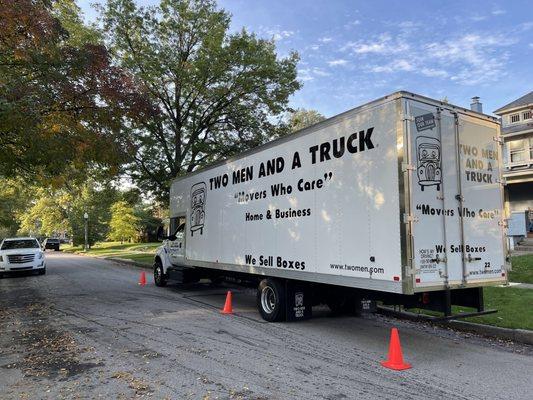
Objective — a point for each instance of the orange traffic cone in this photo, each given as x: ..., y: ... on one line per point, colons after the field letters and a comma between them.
x: 227, y: 306
x: 395, y: 360
x: 142, y: 278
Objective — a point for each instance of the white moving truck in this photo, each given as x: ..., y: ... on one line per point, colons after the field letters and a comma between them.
x: 399, y: 200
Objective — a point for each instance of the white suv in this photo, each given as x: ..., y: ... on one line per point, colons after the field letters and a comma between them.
x: 21, y: 254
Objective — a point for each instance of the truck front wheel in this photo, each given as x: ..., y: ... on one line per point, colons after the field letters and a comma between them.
x: 160, y: 278
x: 271, y: 300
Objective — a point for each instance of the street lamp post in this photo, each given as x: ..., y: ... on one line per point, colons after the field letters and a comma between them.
x: 86, y: 218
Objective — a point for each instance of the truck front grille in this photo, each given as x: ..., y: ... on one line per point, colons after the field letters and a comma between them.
x: 20, y: 258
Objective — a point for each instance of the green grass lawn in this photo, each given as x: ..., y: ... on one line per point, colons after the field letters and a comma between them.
x: 522, y: 269
x: 147, y: 259
x: 514, y: 305
x: 139, y: 252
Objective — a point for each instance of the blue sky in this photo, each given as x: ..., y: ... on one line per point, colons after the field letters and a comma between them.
x: 355, y: 51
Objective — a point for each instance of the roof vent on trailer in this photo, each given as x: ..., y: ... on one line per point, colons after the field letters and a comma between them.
x: 476, y: 105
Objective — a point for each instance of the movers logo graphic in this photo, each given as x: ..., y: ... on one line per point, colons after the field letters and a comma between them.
x: 428, y: 168
x: 198, y: 200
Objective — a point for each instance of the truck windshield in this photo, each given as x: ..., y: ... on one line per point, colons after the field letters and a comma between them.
x: 20, y: 244
x: 429, y: 153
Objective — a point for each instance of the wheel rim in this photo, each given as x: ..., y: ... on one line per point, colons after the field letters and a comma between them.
x: 268, y: 299
x: 157, y: 274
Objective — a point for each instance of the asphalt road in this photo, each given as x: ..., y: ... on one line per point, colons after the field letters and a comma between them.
x: 87, y: 330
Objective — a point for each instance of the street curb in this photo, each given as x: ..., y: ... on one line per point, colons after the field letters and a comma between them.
x: 517, y: 335
x: 128, y: 262
x: 117, y: 260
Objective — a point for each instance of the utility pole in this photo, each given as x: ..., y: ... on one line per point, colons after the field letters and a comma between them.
x: 86, y: 218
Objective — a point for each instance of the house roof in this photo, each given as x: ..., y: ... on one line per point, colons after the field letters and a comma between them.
x: 522, y: 101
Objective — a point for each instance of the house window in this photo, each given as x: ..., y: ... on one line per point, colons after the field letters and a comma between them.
x: 518, y: 151
x: 515, y: 118
x: 526, y: 114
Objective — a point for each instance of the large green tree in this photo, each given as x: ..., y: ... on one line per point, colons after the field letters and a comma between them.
x: 53, y: 211
x: 213, y: 92
x: 58, y: 92
x: 124, y: 223
x: 302, y: 118
x: 48, y: 216
x: 15, y: 198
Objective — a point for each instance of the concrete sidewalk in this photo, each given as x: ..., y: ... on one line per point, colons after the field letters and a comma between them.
x: 519, y: 285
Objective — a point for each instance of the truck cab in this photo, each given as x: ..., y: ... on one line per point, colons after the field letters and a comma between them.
x: 169, y: 260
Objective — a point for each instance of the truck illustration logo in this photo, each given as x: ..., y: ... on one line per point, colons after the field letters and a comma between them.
x: 198, y: 197
x: 428, y: 162
x: 298, y: 299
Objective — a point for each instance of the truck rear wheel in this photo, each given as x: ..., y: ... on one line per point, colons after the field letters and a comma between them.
x: 160, y: 277
x: 271, y: 300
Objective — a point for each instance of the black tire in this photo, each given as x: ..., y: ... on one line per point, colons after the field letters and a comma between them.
x: 272, y: 300
x: 42, y: 271
x: 160, y: 278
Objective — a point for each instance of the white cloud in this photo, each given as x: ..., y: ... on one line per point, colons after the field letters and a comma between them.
x: 381, y: 45
x: 394, y: 66
x: 478, y: 18
x: 325, y: 39
x: 340, y: 61
x: 320, y: 72
x: 434, y: 73
x: 352, y: 23
x: 305, y: 75
x: 498, y: 11
x: 407, y: 25
x: 309, y: 74
x: 525, y: 26
x: 477, y: 58
x: 276, y: 33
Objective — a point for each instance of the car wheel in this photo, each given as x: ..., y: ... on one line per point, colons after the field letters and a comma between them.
x: 42, y: 271
x: 160, y: 277
x: 271, y: 300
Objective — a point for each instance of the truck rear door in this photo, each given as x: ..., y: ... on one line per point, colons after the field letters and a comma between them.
x: 456, y: 199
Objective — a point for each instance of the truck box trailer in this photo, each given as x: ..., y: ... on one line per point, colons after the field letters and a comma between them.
x: 398, y: 200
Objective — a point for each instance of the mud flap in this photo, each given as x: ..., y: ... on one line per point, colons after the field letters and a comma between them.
x: 299, y: 302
